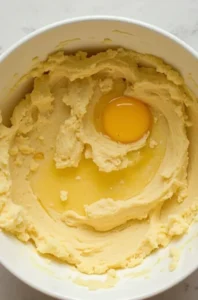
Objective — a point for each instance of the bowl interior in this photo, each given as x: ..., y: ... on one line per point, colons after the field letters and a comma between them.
x: 94, y: 34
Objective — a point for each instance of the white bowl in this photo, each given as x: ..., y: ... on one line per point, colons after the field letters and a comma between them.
x: 95, y: 33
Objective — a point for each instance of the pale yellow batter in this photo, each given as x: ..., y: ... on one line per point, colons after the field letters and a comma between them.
x: 77, y: 193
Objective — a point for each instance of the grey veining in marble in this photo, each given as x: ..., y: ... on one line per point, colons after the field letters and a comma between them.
x: 20, y: 17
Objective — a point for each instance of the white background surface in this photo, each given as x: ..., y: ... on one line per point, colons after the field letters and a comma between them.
x: 20, y: 17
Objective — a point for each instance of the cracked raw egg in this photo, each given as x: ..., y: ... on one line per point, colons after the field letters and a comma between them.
x: 126, y: 119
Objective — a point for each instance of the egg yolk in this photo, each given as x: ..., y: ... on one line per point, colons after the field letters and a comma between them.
x: 126, y: 119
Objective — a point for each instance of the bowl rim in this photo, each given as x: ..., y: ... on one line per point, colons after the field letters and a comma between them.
x: 60, y: 23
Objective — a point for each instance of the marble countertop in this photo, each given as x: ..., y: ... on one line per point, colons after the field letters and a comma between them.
x: 20, y: 17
